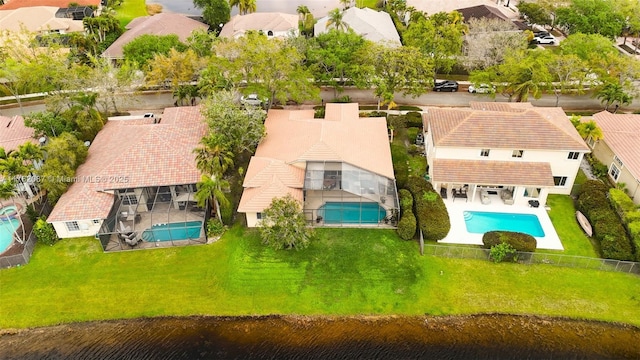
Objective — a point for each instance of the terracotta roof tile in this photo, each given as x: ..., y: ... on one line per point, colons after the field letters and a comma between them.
x: 262, y: 170
x: 14, y: 133
x: 492, y: 172
x: 257, y: 199
x: 510, y: 126
x: 15, y: 4
x: 39, y: 18
x: 622, y: 134
x: 132, y: 156
x: 264, y: 22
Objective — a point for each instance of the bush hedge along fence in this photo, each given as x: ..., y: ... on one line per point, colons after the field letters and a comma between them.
x: 407, y: 224
x: 607, y: 226
x: 430, y: 211
x: 630, y: 215
x: 517, y: 240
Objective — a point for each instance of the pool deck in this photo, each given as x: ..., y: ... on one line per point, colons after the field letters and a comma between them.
x: 459, y: 235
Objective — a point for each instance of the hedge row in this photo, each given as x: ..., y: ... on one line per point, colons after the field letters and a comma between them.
x: 630, y: 215
x: 607, y: 227
x: 400, y: 159
x: 519, y: 241
x: 430, y: 211
x: 413, y: 119
x: 407, y: 223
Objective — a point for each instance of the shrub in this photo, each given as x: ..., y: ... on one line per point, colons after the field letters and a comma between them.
x: 519, y: 241
x: 400, y: 164
x: 32, y: 213
x: 342, y: 99
x: 215, y: 228
x: 412, y: 133
x: 414, y: 150
x: 319, y: 112
x: 397, y: 121
x: 431, y: 213
x: 634, y: 232
x: 501, y: 252
x: 45, y: 233
x: 374, y: 114
x: 413, y: 119
x: 406, y: 200
x: 407, y: 225
x: 621, y: 201
x: 593, y: 185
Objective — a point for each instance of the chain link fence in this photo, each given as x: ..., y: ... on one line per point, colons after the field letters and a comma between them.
x: 460, y: 252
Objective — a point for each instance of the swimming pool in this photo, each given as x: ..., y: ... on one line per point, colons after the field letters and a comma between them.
x: 173, y: 231
x: 10, y: 212
x: 479, y: 222
x: 351, y: 213
x: 7, y: 228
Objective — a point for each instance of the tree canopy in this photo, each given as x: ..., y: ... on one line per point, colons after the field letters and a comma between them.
x: 145, y: 47
x: 216, y: 13
x: 591, y: 17
x: 284, y: 225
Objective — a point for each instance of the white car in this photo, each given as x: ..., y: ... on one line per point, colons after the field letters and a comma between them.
x: 545, y: 39
x: 482, y: 89
x: 251, y: 99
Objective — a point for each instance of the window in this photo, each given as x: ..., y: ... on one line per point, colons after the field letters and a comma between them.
x: 129, y: 199
x: 259, y: 216
x: 614, y: 172
x: 560, y: 180
x: 72, y: 226
x: 517, y: 153
x: 484, y: 152
x: 573, y: 155
x: 96, y: 221
x: 269, y: 33
x: 591, y: 142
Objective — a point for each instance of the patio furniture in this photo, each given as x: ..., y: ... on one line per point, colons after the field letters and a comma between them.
x: 132, y: 239
x: 507, y: 196
x: 484, y: 197
x: 460, y: 193
x: 534, y: 203
x: 443, y: 193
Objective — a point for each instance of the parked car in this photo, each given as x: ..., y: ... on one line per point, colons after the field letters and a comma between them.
x: 540, y: 33
x: 482, y: 89
x: 252, y: 99
x: 447, y: 85
x: 546, y: 39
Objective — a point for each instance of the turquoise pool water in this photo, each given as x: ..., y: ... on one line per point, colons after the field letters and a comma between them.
x: 7, y: 228
x: 479, y: 222
x: 173, y: 231
x: 8, y: 211
x: 351, y: 213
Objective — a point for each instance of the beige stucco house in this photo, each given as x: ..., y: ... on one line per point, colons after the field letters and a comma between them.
x: 373, y: 25
x: 272, y: 24
x: 619, y: 149
x: 517, y: 151
x: 338, y: 168
x: 139, y: 174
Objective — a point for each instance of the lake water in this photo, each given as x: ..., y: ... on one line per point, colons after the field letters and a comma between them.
x: 318, y: 8
x: 299, y: 337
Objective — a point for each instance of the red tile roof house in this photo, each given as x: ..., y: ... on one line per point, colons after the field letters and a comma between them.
x: 16, y: 4
x: 515, y: 151
x: 141, y: 175
x: 160, y: 24
x: 619, y: 149
x: 14, y: 133
x: 338, y: 168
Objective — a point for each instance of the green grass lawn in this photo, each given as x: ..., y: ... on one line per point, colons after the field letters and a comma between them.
x: 129, y: 10
x: 574, y: 240
x: 344, y: 272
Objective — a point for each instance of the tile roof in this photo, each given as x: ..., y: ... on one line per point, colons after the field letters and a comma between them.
x: 274, y: 21
x: 294, y: 137
x: 160, y: 24
x: 436, y: 6
x: 133, y: 155
x: 14, y: 133
x: 36, y: 19
x: 509, y: 126
x: 492, y: 172
x: 622, y: 134
x: 482, y: 11
x: 373, y: 25
x: 15, y: 4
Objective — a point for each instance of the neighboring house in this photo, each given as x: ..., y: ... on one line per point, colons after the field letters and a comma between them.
x: 274, y: 24
x: 75, y: 13
x: 14, y: 133
x: 436, y: 6
x: 528, y: 151
x: 38, y: 19
x: 161, y: 24
x: 376, y: 26
x: 619, y: 149
x: 338, y: 168
x: 16, y: 4
x: 140, y: 174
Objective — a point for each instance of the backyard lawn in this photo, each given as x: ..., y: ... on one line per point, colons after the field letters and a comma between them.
x: 129, y: 10
x: 344, y: 272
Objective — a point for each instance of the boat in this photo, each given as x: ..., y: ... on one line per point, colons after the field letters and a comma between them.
x: 584, y: 223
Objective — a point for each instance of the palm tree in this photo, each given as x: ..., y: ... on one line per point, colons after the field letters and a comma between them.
x: 212, y: 156
x: 612, y: 93
x: 8, y: 191
x: 303, y: 11
x: 590, y: 129
x: 210, y: 188
x: 345, y: 4
x: 244, y: 6
x: 335, y: 20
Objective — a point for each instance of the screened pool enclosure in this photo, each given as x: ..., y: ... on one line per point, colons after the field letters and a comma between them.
x: 154, y: 217
x: 339, y: 194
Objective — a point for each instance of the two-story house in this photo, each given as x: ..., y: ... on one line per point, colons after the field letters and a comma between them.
x: 511, y: 153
